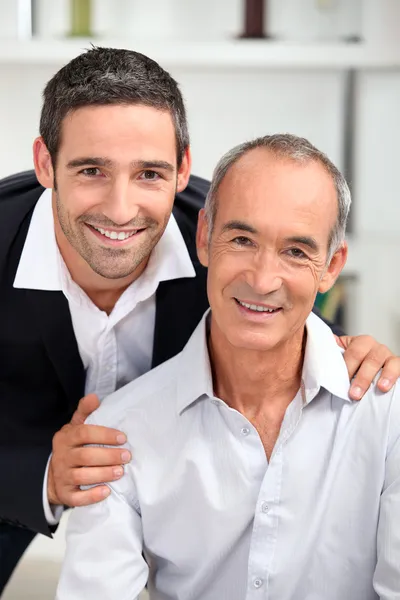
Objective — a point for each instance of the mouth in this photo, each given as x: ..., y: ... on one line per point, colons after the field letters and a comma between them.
x: 114, y: 237
x: 257, y: 310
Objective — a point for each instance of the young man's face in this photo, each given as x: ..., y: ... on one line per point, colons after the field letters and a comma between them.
x: 115, y: 181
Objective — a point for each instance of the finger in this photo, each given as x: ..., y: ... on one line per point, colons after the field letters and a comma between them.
x: 357, y: 350
x: 342, y: 341
x: 390, y: 374
x: 98, y: 457
x: 86, y: 406
x: 93, y: 475
x: 366, y: 374
x: 95, y: 434
x: 85, y: 497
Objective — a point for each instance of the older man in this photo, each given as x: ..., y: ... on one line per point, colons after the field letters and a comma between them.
x: 253, y: 473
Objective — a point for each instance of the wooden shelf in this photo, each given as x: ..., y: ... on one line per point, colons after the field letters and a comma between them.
x: 214, y: 54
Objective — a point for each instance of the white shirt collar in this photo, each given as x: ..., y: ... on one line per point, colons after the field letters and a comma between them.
x: 323, y: 367
x: 40, y: 265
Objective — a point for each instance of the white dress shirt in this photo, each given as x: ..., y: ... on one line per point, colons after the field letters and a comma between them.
x: 216, y: 520
x: 114, y: 348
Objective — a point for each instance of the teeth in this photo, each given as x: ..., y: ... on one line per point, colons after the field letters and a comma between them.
x: 257, y: 307
x: 115, y: 235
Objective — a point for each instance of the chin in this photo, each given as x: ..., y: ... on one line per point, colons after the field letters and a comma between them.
x: 256, y: 342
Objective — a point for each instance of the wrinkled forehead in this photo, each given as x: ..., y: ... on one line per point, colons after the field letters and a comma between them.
x: 278, y: 194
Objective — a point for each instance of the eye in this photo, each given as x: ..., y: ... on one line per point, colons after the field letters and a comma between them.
x: 91, y: 172
x: 149, y: 175
x: 241, y: 240
x: 296, y: 253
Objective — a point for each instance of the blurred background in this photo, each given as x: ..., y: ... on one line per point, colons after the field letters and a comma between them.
x: 328, y: 70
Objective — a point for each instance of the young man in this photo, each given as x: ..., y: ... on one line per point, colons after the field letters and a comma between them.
x: 253, y: 474
x: 97, y: 283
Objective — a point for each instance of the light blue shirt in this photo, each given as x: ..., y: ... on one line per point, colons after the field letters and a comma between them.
x: 216, y: 521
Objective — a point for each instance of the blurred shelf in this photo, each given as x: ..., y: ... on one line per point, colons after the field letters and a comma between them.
x: 214, y: 54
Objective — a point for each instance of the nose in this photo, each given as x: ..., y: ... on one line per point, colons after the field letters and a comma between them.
x: 120, y: 205
x: 265, y: 274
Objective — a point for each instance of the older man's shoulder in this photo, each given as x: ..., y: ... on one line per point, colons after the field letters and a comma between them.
x: 381, y: 408
x: 149, y: 393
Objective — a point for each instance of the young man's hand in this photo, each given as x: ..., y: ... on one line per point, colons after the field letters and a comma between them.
x: 73, y: 464
x: 365, y: 357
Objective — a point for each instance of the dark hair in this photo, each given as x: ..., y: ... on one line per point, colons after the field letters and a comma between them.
x: 102, y: 76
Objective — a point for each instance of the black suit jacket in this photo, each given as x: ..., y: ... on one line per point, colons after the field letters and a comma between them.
x: 41, y: 373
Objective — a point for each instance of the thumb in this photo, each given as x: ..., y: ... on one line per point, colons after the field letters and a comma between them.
x: 86, y: 406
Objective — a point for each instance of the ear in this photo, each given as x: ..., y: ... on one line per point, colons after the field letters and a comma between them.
x: 184, y: 170
x: 202, y: 238
x: 43, y: 163
x: 334, y: 269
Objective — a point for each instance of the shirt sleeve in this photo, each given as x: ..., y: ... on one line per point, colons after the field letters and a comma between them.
x: 387, y: 573
x: 104, y: 552
x: 53, y: 513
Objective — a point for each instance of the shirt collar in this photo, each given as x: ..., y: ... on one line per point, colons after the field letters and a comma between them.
x: 323, y: 366
x: 195, y: 378
x: 40, y: 265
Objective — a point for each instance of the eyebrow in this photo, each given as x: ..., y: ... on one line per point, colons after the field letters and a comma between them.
x: 304, y: 240
x: 94, y: 161
x: 98, y: 161
x: 238, y: 225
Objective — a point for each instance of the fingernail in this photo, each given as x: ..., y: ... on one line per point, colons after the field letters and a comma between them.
x: 105, y: 492
x: 125, y: 456
x: 385, y: 383
x: 118, y: 471
x: 356, y: 392
x: 121, y: 438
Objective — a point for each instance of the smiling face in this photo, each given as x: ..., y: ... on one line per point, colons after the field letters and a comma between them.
x: 115, y: 178
x: 267, y: 256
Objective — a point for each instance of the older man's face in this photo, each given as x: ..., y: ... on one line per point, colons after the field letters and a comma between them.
x: 267, y: 257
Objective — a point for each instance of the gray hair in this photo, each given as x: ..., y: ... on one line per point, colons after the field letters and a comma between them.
x: 296, y: 149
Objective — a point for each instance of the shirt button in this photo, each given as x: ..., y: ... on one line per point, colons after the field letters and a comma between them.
x: 216, y: 402
x: 265, y: 507
x: 245, y: 431
x: 258, y: 583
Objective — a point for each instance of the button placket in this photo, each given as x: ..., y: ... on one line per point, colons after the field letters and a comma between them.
x: 265, y: 507
x: 257, y: 583
x: 264, y: 534
x: 107, y: 375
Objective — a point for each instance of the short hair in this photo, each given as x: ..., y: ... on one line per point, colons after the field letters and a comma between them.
x: 103, y: 76
x: 293, y: 148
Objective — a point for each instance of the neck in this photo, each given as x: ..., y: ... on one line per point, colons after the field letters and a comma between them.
x: 255, y: 382
x: 102, y: 291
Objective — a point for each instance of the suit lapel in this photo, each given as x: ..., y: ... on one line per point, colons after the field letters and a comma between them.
x: 48, y: 310
x: 180, y: 304
x: 54, y: 322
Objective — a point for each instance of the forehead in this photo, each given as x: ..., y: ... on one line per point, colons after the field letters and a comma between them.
x: 118, y: 129
x: 270, y: 192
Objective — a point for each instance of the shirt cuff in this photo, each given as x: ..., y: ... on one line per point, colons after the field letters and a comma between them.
x: 52, y: 512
